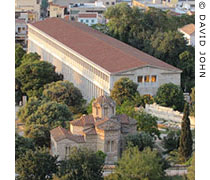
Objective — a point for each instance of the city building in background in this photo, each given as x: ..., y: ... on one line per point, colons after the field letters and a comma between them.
x: 189, y: 33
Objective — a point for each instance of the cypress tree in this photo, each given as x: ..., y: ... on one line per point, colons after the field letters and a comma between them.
x: 185, y: 146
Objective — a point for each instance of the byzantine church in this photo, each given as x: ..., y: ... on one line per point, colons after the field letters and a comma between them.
x: 102, y: 130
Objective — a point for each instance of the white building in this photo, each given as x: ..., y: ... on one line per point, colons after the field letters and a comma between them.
x: 88, y: 18
x: 20, y: 31
x: 189, y: 33
x: 108, y: 3
x: 186, y: 4
x: 94, y: 61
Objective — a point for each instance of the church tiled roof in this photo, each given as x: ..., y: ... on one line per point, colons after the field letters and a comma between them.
x: 84, y: 120
x: 60, y: 133
x: 90, y: 131
x: 104, y: 100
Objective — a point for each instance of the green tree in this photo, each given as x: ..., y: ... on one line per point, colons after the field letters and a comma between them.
x: 19, y: 53
x: 28, y: 109
x: 30, y: 57
x: 36, y: 165
x: 192, y: 104
x: 147, y: 123
x: 155, y: 19
x: 101, y: 27
x: 167, y: 46
x: 186, y: 142
x: 134, y: 164
x: 171, y: 141
x: 33, y: 77
x: 82, y: 164
x: 170, y: 95
x: 65, y: 92
x: 22, y: 144
x: 40, y: 117
x: 39, y: 133
x: 89, y: 106
x: 50, y: 114
x: 124, y: 89
x: 191, y: 169
x: 187, y: 65
x: 141, y: 140
x: 127, y: 107
x: 122, y: 19
x: 18, y: 92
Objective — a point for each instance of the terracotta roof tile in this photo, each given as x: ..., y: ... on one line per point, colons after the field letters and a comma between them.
x: 90, y: 131
x: 20, y: 21
x: 188, y: 29
x: 123, y: 118
x: 60, y: 133
x: 104, y: 99
x: 87, y: 15
x: 52, y: 4
x: 84, y: 120
x: 67, y: 17
x: 103, y: 50
x: 101, y: 121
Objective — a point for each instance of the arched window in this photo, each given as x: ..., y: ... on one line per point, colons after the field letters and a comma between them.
x: 105, y: 111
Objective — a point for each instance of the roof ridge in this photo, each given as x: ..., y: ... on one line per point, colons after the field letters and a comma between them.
x: 107, y: 52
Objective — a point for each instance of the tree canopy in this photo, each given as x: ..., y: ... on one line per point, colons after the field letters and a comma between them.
x: 30, y: 57
x: 28, y: 109
x: 33, y: 76
x: 35, y: 165
x: 42, y: 116
x: 191, y: 169
x: 124, y: 89
x: 50, y: 114
x: 192, y: 104
x: 186, y: 142
x: 139, y: 165
x: 141, y: 140
x: 147, y: 123
x: 82, y: 164
x: 19, y: 53
x: 171, y: 141
x: 22, y: 144
x: 170, y: 95
x: 65, y: 92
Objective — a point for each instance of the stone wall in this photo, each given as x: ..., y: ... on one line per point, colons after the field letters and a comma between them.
x: 167, y: 113
x: 162, y: 76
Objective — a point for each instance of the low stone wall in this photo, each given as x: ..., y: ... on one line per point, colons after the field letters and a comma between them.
x: 167, y: 113
x: 177, y: 170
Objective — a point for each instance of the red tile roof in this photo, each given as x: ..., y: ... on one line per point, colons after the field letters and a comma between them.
x: 67, y: 17
x: 85, y: 15
x: 105, y: 51
x: 123, y: 118
x: 188, y: 29
x: 20, y: 21
x: 104, y: 99
x: 60, y: 133
x: 84, y: 120
x: 52, y: 4
x: 90, y: 131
